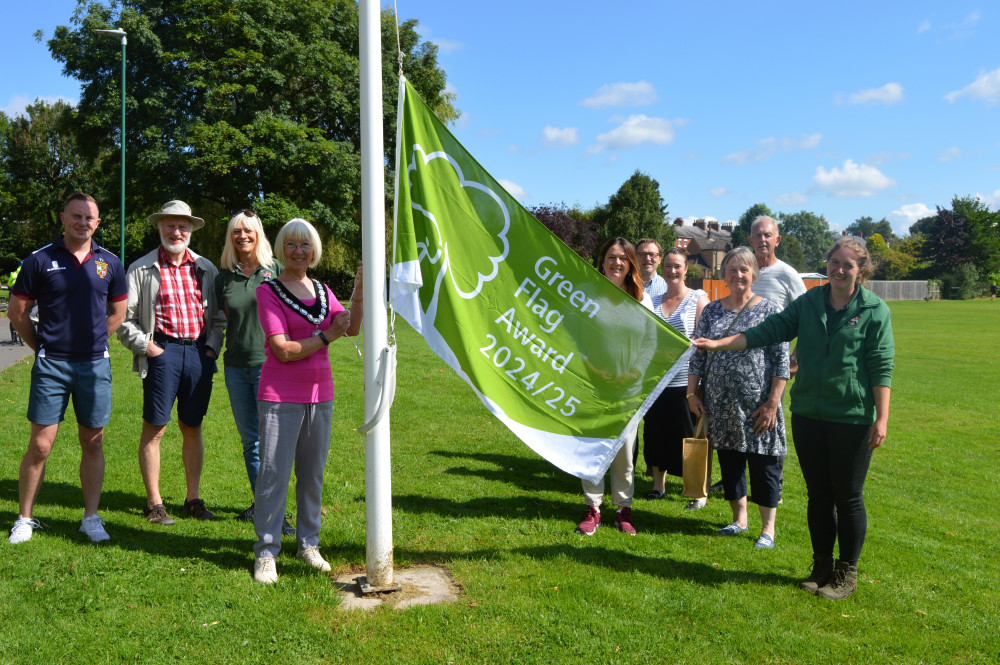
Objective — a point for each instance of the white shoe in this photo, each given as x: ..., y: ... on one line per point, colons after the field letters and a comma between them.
x: 22, y: 530
x: 264, y: 570
x: 93, y: 526
x: 312, y: 557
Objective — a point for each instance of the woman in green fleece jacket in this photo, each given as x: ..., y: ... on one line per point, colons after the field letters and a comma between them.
x: 839, y: 403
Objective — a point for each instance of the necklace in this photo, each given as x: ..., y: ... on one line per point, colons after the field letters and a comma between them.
x: 315, y: 313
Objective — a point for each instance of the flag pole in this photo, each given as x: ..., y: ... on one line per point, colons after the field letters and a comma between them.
x: 378, y: 488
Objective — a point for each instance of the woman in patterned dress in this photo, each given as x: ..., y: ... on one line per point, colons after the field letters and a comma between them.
x: 668, y: 422
x: 743, y: 392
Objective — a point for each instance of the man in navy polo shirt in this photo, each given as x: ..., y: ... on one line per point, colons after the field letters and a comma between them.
x: 174, y: 329
x: 81, y: 293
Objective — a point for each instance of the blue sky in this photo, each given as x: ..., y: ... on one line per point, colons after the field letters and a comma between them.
x: 884, y: 109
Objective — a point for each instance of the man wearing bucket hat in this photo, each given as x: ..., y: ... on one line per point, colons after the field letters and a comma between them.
x: 173, y: 327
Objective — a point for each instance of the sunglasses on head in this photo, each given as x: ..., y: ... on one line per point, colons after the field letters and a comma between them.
x: 244, y: 211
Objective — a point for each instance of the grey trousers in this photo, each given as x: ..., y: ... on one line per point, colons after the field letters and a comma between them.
x: 622, y: 480
x: 290, y: 434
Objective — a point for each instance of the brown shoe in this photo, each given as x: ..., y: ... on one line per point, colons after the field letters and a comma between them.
x: 843, y: 583
x: 822, y: 573
x: 196, y: 508
x: 158, y: 515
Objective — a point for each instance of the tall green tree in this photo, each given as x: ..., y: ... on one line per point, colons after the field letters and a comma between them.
x: 790, y: 251
x: 813, y: 233
x: 983, y: 232
x: 636, y: 210
x: 865, y: 227
x: 741, y: 232
x: 238, y: 103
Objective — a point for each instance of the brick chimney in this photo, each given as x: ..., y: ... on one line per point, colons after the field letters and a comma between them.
x: 679, y: 221
x: 714, y: 226
x: 700, y: 223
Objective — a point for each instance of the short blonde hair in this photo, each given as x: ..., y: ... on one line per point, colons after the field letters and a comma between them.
x: 297, y: 230
x: 251, y: 222
x: 741, y: 256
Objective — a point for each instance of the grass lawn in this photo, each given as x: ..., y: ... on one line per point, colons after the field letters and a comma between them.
x: 467, y: 495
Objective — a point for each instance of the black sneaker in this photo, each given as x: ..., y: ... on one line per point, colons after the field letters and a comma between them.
x: 196, y: 508
x: 158, y: 515
x: 246, y: 515
x: 286, y: 528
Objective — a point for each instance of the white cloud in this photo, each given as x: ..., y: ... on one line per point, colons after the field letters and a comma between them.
x: 513, y: 189
x: 992, y: 200
x: 19, y: 103
x: 447, y: 46
x: 950, y: 155
x: 635, y: 130
x: 851, y: 179
x: 890, y: 93
x: 986, y: 87
x: 559, y: 137
x: 908, y: 215
x: 718, y: 191
x: 880, y: 158
x: 768, y: 146
x: 640, y: 93
x: 791, y: 199
x: 923, y: 27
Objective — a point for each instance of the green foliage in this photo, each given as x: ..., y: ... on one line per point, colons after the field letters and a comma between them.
x: 964, y: 282
x: 233, y: 104
x: 865, y: 227
x: 983, y: 226
x: 813, y: 233
x: 789, y: 250
x: 876, y: 243
x: 635, y: 211
x: 741, y: 232
x: 468, y: 496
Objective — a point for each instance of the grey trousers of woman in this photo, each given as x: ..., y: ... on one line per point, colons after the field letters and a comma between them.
x: 290, y: 434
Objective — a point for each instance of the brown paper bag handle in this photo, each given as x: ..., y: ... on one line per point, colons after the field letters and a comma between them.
x: 701, y: 428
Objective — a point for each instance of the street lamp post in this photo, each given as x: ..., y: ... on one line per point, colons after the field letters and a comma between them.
x: 118, y: 32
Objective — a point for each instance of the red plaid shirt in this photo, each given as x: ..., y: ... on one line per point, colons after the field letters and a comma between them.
x: 179, y: 311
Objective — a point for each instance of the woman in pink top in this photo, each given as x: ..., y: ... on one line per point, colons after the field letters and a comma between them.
x: 300, y: 318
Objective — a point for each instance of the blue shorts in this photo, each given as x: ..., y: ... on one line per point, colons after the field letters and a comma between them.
x: 53, y: 382
x: 184, y: 372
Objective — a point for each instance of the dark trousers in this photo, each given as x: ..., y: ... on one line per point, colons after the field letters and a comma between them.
x: 834, y: 458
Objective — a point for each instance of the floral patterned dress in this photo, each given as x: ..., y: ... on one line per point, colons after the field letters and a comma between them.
x: 740, y: 381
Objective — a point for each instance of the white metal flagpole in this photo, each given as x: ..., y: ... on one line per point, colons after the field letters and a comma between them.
x: 378, y: 487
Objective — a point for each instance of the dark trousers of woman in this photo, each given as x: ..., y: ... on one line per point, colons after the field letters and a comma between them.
x: 834, y: 458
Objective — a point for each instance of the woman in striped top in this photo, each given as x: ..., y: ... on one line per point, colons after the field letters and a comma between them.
x: 668, y: 421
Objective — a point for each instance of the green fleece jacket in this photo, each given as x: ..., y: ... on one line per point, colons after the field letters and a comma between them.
x: 837, y: 368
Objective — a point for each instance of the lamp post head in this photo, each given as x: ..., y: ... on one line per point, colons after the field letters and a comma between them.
x: 117, y: 32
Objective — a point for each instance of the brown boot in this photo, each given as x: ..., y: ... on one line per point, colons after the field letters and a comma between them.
x: 822, y: 572
x: 843, y: 583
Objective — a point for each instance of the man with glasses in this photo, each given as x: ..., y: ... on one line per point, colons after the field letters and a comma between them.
x: 649, y: 254
x: 173, y: 327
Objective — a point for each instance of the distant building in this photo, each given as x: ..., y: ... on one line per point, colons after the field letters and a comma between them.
x: 705, y: 242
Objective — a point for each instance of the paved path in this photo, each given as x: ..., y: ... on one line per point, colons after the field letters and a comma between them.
x: 10, y: 353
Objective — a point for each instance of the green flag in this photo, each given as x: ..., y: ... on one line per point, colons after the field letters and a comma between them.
x: 564, y: 358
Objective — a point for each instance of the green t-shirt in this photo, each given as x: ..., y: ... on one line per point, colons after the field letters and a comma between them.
x: 237, y: 296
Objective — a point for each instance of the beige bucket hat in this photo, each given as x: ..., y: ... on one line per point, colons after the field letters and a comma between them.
x: 176, y: 209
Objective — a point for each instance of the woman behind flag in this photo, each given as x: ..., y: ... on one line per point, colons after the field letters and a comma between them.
x: 839, y: 404
x: 300, y: 317
x: 616, y: 261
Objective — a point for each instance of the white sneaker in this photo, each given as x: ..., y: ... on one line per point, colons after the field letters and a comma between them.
x: 22, y: 530
x: 93, y: 526
x: 264, y: 570
x: 312, y: 557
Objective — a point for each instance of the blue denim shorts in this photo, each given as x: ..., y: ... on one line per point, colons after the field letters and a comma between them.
x: 53, y: 382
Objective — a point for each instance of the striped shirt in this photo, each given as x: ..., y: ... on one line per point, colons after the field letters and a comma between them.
x: 179, y: 309
x: 682, y: 319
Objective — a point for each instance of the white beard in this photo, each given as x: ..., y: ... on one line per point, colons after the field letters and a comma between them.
x: 177, y: 247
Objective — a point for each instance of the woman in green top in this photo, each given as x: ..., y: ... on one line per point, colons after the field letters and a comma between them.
x: 247, y: 262
x: 839, y: 404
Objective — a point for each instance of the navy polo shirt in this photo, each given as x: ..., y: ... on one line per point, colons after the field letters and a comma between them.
x: 72, y: 299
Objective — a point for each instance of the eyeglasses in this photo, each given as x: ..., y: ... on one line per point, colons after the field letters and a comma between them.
x: 648, y: 255
x: 292, y: 246
x: 247, y: 212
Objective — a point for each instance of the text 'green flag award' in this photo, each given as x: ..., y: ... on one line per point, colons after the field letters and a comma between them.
x: 564, y: 358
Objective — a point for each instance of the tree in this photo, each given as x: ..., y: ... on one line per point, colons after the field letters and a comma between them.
x: 983, y: 228
x: 865, y: 227
x: 813, y: 233
x: 741, y: 232
x: 790, y: 251
x: 579, y: 234
x: 41, y: 165
x: 635, y: 211
x: 235, y: 104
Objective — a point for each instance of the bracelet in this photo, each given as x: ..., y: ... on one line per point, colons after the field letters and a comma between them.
x: 326, y: 342
x: 689, y: 396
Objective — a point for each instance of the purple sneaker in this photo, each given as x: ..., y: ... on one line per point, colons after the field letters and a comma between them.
x: 623, y: 520
x: 591, y: 520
